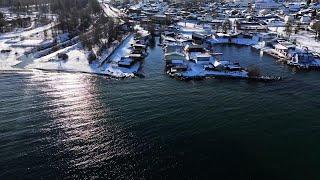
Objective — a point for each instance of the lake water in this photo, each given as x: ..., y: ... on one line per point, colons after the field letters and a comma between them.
x: 64, y: 125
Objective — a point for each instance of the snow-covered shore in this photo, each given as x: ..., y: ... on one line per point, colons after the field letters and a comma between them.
x: 78, y: 61
x: 112, y: 68
x: 14, y: 45
x: 18, y: 54
x: 196, y: 70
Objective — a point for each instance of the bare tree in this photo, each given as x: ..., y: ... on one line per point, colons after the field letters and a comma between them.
x: 316, y: 27
x: 288, y: 29
x: 226, y: 26
x: 298, y: 27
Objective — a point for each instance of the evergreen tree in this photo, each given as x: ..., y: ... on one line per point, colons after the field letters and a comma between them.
x: 316, y: 28
x: 288, y: 29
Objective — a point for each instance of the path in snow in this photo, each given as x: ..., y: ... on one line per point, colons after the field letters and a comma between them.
x: 27, y: 33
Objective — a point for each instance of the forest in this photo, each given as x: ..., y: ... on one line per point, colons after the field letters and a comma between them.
x: 83, y: 18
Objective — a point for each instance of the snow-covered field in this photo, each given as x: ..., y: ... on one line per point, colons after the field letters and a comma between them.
x: 303, y: 38
x: 15, y: 46
x: 17, y: 43
x: 77, y: 61
x: 307, y: 39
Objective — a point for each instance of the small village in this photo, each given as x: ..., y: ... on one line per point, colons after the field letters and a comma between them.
x: 188, y: 32
x: 160, y: 89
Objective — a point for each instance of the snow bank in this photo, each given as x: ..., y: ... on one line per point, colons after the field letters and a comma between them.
x: 121, y: 72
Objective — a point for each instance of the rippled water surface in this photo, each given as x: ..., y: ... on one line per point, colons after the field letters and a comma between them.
x: 63, y: 125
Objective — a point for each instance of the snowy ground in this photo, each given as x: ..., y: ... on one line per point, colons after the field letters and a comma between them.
x: 307, y: 39
x: 189, y: 27
x: 77, y: 61
x: 196, y: 70
x: 303, y: 38
x: 10, y: 59
x: 111, y: 68
x: 18, y: 43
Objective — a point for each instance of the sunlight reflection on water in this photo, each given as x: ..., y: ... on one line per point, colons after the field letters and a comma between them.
x: 79, y: 119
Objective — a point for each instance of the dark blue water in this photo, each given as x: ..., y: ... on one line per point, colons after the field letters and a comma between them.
x: 79, y: 126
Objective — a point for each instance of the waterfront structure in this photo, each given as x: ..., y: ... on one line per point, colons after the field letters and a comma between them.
x: 265, y: 4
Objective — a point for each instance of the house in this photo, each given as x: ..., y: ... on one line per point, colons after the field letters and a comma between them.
x: 284, y: 47
x: 159, y: 18
x: 288, y: 18
x: 170, y: 57
x: 305, y: 19
x: 201, y: 58
x: 227, y: 65
x: 199, y: 37
x: 126, y: 62
x: 194, y: 48
x: 178, y: 65
x: 267, y: 37
x: 173, y: 48
x: 251, y: 26
x: 294, y: 7
x: 265, y: 4
x: 302, y: 58
x: 175, y: 58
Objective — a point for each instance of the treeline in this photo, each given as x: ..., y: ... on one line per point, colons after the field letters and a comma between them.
x: 11, y: 24
x: 83, y: 18
x: 74, y: 16
x: 17, y: 3
x: 24, y: 5
x: 86, y: 19
x: 64, y: 4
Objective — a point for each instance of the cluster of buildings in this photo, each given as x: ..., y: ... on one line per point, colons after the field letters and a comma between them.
x: 189, y: 30
x: 137, y: 52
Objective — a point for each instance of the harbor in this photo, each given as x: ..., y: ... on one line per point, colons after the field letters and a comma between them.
x: 159, y: 89
x: 181, y: 28
x: 188, y: 36
x: 75, y: 124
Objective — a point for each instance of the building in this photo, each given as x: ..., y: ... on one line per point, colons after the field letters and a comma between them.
x: 265, y: 4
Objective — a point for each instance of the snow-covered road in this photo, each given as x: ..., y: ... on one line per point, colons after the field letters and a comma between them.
x: 27, y: 33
